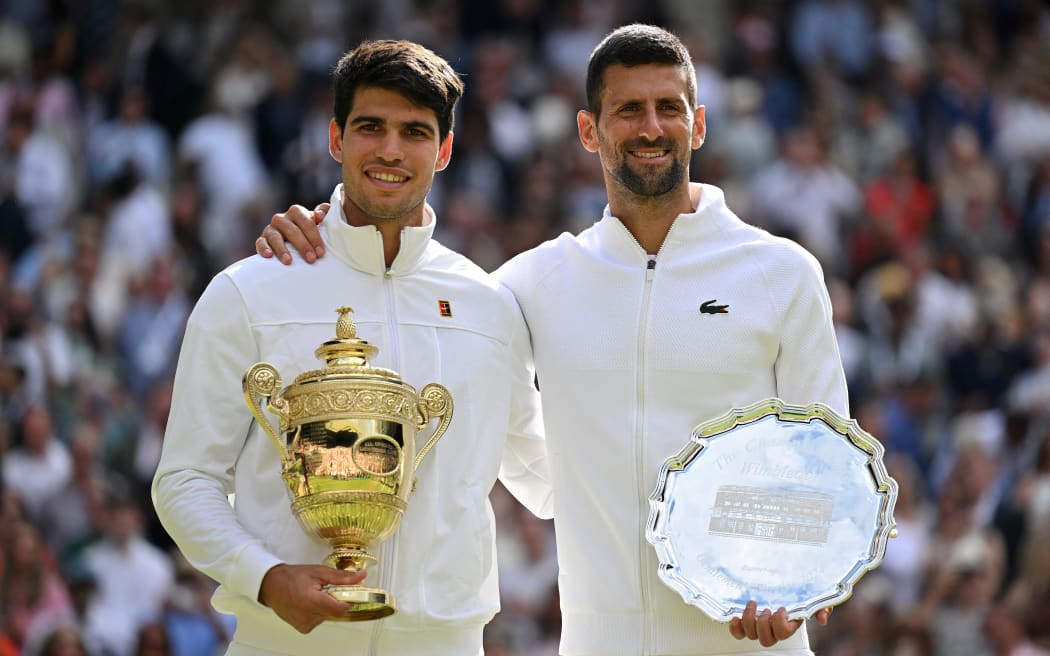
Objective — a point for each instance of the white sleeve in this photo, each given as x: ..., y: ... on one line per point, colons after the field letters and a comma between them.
x: 525, y: 469
x: 808, y: 368
x: 205, y: 434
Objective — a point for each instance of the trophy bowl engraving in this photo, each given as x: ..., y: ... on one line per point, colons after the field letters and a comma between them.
x: 347, y: 443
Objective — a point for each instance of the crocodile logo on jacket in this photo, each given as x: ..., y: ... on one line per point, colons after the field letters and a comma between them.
x: 710, y: 307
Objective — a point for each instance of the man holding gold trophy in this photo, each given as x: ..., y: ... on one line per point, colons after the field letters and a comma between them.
x: 667, y: 313
x: 330, y: 468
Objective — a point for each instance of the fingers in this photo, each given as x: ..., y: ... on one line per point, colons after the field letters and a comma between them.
x: 736, y: 628
x: 263, y: 248
x: 766, y: 627
x: 749, y: 620
x: 300, y: 228
x: 274, y: 243
x: 342, y: 577
x: 296, y: 594
x: 823, y: 614
x: 326, y: 606
x: 320, y: 211
x: 782, y: 627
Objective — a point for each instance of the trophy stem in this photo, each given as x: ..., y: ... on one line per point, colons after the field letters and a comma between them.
x: 365, y: 603
x: 349, y: 557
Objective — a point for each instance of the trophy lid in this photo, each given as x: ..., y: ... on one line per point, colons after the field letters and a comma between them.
x: 346, y: 350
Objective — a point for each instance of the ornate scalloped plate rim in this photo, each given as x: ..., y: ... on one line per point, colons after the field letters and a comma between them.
x: 849, y: 429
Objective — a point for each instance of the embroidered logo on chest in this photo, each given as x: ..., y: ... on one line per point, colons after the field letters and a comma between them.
x: 712, y: 307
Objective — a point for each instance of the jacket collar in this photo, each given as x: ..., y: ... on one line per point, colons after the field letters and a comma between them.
x: 362, y: 246
x: 710, y: 217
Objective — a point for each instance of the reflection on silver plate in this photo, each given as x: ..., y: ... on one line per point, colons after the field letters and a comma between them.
x: 784, y: 504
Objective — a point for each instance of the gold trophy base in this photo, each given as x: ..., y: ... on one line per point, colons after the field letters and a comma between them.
x: 365, y: 603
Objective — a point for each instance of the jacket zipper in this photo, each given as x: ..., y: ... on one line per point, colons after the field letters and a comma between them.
x: 388, y: 551
x: 644, y: 550
x: 639, y: 451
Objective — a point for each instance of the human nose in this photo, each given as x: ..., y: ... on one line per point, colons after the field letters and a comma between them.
x: 650, y: 127
x: 389, y: 147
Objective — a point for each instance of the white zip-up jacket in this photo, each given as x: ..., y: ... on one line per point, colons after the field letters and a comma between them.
x: 632, y: 351
x: 439, y: 566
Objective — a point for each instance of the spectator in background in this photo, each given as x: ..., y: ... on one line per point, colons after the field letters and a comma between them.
x: 876, y: 139
x: 804, y: 196
x: 43, y: 174
x: 907, y: 563
x: 14, y: 399
x: 746, y: 137
x: 37, y: 344
x: 133, y: 577
x: 130, y: 138
x: 1035, y: 216
x: 231, y: 175
x: 960, y: 96
x: 759, y: 54
x: 33, y: 597
x: 137, y: 227
x: 152, y: 326
x: 900, y: 205
x: 1033, y: 495
x: 968, y: 194
x: 526, y: 575
x: 65, y: 640
x: 833, y: 34
x: 38, y: 468
x: 193, y: 626
x: 1005, y: 630
x: 74, y: 514
x: 153, y: 640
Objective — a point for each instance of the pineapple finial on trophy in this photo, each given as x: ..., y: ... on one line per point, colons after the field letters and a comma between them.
x: 345, y: 328
x: 346, y: 350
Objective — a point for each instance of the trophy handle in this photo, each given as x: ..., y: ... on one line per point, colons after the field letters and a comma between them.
x: 262, y: 380
x: 434, y: 401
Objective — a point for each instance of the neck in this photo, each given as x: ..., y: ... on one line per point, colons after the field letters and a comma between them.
x: 391, y: 232
x: 389, y: 229
x: 649, y: 218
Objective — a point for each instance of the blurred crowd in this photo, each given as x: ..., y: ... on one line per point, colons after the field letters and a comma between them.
x: 906, y: 143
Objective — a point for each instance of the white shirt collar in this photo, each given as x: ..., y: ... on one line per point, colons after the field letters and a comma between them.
x: 362, y: 246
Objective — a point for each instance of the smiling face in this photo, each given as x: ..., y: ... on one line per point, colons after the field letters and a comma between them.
x: 645, y: 129
x: 389, y: 150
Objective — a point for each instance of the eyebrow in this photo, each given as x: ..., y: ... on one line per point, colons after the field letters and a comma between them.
x: 675, y: 100
x: 421, y: 125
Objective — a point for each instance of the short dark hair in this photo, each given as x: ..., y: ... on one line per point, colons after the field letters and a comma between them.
x: 636, y: 45
x: 403, y: 67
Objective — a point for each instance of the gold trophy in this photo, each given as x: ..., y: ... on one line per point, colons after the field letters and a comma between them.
x: 349, y: 440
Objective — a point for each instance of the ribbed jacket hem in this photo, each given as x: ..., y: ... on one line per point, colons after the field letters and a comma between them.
x: 684, y: 634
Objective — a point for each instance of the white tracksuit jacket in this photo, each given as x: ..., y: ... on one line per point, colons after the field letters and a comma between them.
x: 628, y: 363
x: 440, y: 564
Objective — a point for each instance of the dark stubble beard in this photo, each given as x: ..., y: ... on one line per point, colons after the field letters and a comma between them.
x: 379, y: 211
x: 655, y: 184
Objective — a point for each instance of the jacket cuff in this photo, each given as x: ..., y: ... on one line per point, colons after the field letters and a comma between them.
x: 248, y: 571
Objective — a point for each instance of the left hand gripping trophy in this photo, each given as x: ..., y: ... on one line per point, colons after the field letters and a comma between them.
x: 348, y: 453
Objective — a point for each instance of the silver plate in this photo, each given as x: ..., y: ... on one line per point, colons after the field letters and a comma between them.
x: 787, y: 505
